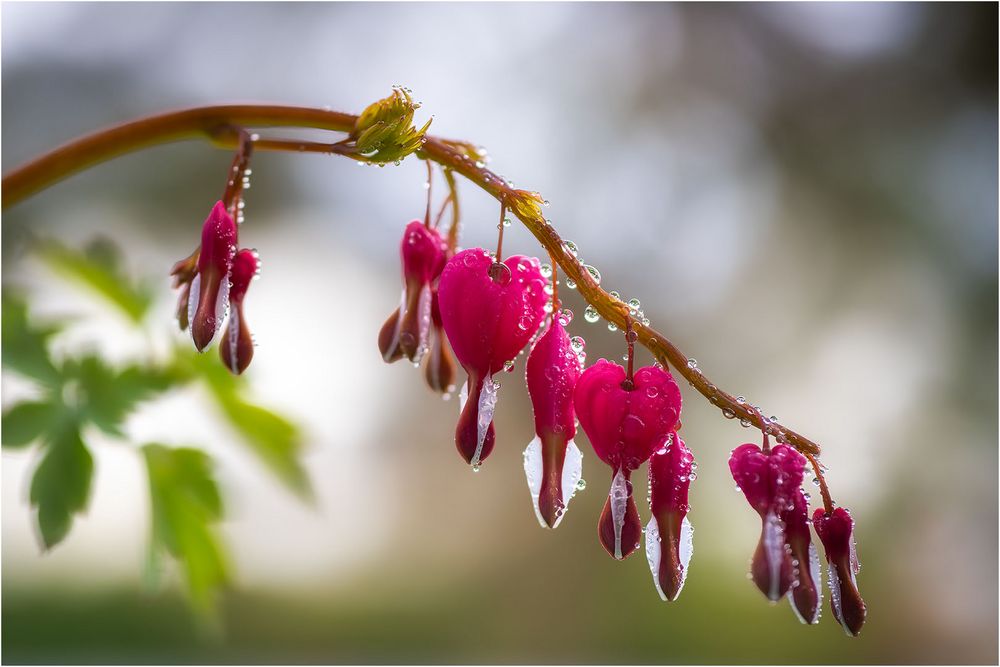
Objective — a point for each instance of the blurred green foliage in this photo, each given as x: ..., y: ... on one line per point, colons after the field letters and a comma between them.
x: 79, y: 392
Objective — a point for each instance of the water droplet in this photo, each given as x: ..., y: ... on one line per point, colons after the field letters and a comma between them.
x: 546, y: 270
x: 590, y: 314
x: 571, y: 247
x: 581, y: 484
x: 508, y: 366
x: 577, y: 343
x: 594, y: 273
x: 692, y: 363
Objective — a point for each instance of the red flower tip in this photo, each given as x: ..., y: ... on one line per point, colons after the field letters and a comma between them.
x: 835, y: 530
x: 440, y: 371
x: 552, y: 461
x: 669, y: 535
x: 489, y: 314
x: 236, y: 348
x: 619, y: 527
x: 405, y: 334
x: 209, y: 292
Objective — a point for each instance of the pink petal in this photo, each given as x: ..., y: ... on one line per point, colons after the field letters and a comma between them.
x: 209, y: 297
x: 670, y: 474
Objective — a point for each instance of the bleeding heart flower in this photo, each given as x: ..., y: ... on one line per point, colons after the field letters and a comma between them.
x: 405, y: 334
x: 552, y: 462
x: 236, y: 348
x: 669, y: 536
x: 208, y: 292
x: 625, y: 427
x: 770, y: 481
x: 490, y: 311
x: 835, y: 530
x: 805, y: 594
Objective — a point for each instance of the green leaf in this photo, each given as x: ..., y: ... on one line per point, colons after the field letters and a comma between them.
x: 106, y: 396
x: 27, y: 422
x: 25, y: 344
x: 272, y: 437
x: 100, y: 269
x: 275, y: 440
x: 60, y: 487
x: 186, y: 503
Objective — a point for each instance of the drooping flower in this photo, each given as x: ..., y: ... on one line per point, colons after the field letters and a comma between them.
x: 440, y: 369
x: 490, y: 311
x: 805, y: 595
x: 770, y: 482
x: 405, y: 334
x: 552, y: 462
x: 208, y: 298
x: 625, y: 427
x: 836, y: 532
x: 236, y: 347
x: 669, y: 536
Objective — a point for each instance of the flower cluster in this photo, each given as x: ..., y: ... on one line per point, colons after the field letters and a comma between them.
x: 490, y: 309
x: 785, y: 563
x: 213, y: 281
x: 415, y: 326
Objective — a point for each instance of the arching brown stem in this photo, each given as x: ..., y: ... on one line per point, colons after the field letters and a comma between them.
x: 216, y: 123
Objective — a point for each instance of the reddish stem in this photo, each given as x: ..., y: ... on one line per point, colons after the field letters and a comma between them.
x: 215, y: 122
x: 630, y: 336
x: 823, y: 489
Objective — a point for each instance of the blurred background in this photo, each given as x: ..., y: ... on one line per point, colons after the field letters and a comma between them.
x: 804, y: 197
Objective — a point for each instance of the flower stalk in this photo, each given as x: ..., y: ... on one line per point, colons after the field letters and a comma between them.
x: 225, y: 126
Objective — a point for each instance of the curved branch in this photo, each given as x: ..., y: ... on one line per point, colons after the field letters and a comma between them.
x: 215, y: 124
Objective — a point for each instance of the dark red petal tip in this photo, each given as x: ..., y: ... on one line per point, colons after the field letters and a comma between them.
x: 619, y: 527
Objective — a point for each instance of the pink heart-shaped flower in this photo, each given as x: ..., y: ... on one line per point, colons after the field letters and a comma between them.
x: 625, y: 427
x: 552, y: 461
x: 422, y: 253
x: 770, y: 482
x: 669, y: 536
x: 490, y: 311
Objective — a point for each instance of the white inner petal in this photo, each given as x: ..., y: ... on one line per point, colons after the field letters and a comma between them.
x: 487, y: 404
x: 221, y: 304
x: 835, y: 597
x: 424, y: 309
x: 533, y: 472
x: 194, y: 295
x: 572, y: 473
x: 653, y: 554
x: 685, y: 550
x: 774, y: 551
x: 619, y: 502
x: 463, y: 396
x: 234, y: 338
